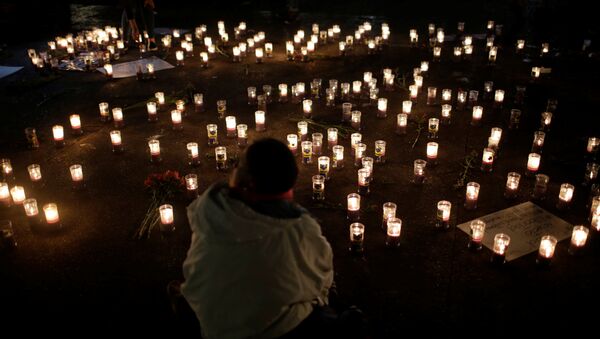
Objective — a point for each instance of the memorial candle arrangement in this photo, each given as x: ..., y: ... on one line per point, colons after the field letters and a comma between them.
x: 471, y: 195
x: 565, y: 196
x: 579, y: 237
x: 444, y: 209
x: 167, y: 222
x: 477, y: 228
x: 318, y: 185
x: 394, y: 227
x: 353, y: 209
x: 58, y: 134
x: 357, y: 237
x: 154, y: 146
x: 501, y: 242
x: 546, y: 250
x: 193, y: 154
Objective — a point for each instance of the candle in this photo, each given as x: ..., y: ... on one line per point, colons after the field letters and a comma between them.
x: 35, y: 173
x: 108, y: 71
x: 332, y: 137
x: 160, y: 97
x: 104, y: 113
x: 565, y: 196
x: 166, y: 218
x: 394, y: 226
x: 5, y: 198
x: 458, y: 52
x: 152, y: 111
x: 520, y: 45
x: 477, y: 232
x: 380, y: 151
x: 251, y: 95
x: 193, y: 154
x: 115, y: 139
x: 118, y: 119
x: 355, y: 139
x: 346, y: 111
x: 546, y: 121
x: 150, y: 69
x: 414, y: 37
x: 176, y: 119
x: 419, y: 171
x: 154, y: 146
x: 546, y: 250
x: 431, y: 95
x: 540, y: 187
x: 533, y: 163
x: 179, y: 57
x: 446, y: 95
x: 307, y: 108
x: 538, y: 141
x: 446, y: 109
x: 32, y: 212
x: 495, y: 137
x: 212, y: 134
x: 591, y: 173
x: 338, y: 156
x: 501, y: 242
x: 356, y: 88
x: 595, y: 211
x: 414, y: 91
x: 382, y: 104
x: 306, y: 147
x: 367, y: 163
x: 7, y: 170
x: 303, y: 130
x: 477, y: 114
x: 545, y: 48
x: 353, y: 202
x: 221, y: 107
x: 359, y: 153
x: 437, y: 52
x: 259, y: 55
x: 191, y: 185
x: 230, y: 123
x: 269, y: 49
x: 461, y: 98
x: 318, y: 184
x: 418, y: 81
x: 18, y: 194
x: 443, y: 214
x: 357, y: 236
x: 471, y: 195
x: 492, y: 54
x: 355, y: 120
x: 487, y: 160
x: 345, y: 90
x: 515, y: 118
x: 292, y: 141
x: 51, y: 214
x: 535, y: 72
x: 180, y: 106
x: 498, y: 98
x: 592, y: 145
x: 75, y: 124
x: 221, y: 158
x: 323, y: 166
x: 433, y: 127
x: 59, y: 135
x: 432, y: 152
x: 578, y: 239
x: 512, y: 185
x: 401, y: 123
x: 242, y: 135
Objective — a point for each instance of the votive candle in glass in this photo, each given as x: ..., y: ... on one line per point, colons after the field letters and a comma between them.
x: 32, y: 212
x: 303, y: 130
x: 230, y: 124
x: 591, y: 173
x: 116, y: 141
x: 355, y: 120
x: 221, y: 108
x: 357, y: 237
x: 77, y: 176
x: 355, y: 139
x: 154, y: 146
x: 393, y: 229
x: 338, y: 156
x: 407, y: 106
x: 512, y: 185
x: 212, y: 134
x: 353, y: 211
x: 118, y: 119
x: 535, y: 72
x: 382, y: 104
x: 359, y: 152
x: 193, y: 154
x: 75, y: 121
x: 35, y: 173
x: 546, y: 120
x: 260, y: 119
x: 160, y: 98
x: 578, y: 239
x: 446, y: 95
x: 176, y: 119
x: 419, y: 171
x: 283, y: 92
x: 7, y: 169
x: 292, y: 142
x: 104, y: 112
x: 198, y: 102
x: 332, y: 137
x: 323, y: 164
x: 431, y: 95
x: 538, y: 142
x: 565, y: 196
x: 432, y: 152
x: 446, y: 111
x: 318, y: 185
x: 51, y: 214
x: 501, y: 242
x: 477, y: 115
x: 180, y: 106
x: 533, y: 163
x: 307, y: 108
x: 593, y: 145
x: 152, y: 111
x: 401, y: 123
x: 540, y: 187
x: 317, y: 143
x: 242, y: 135
x: 191, y: 185
x: 18, y: 195
x: 380, y: 151
x: 477, y: 228
x: 487, y: 160
x: 306, y: 152
x: 221, y: 158
x: 58, y: 134
x: 433, y: 127
x: 5, y: 198
x: 546, y: 250
x: 471, y: 195
x: 444, y: 209
x: 167, y: 222
x: 414, y: 92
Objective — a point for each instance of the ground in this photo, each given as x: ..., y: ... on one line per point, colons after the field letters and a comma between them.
x: 92, y: 275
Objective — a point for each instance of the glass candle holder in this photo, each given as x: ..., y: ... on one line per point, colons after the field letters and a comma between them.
x: 444, y: 209
x: 193, y: 154
x: 306, y: 152
x: 433, y: 127
x: 18, y: 195
x: 260, y: 119
x: 283, y: 92
x: 180, y: 106
x: 546, y: 121
x: 104, y: 111
x: 7, y: 169
x: 332, y: 137
x: 154, y: 146
x: 446, y: 95
x: 307, y: 108
x: 292, y: 142
x: 593, y: 145
x: 353, y: 209
x: 221, y: 108
x: 35, y: 173
x: 461, y: 98
x: 230, y: 124
x: 221, y: 158
x: 380, y: 151
x: 338, y: 156
x: 212, y: 134
x: 565, y: 196
x: 446, y: 114
x: 471, y: 195
x: 118, y: 118
x: 389, y: 211
x: 32, y: 212
x: 540, y: 186
x: 191, y: 185
x: 413, y: 92
x: 591, y: 173
x: 357, y: 237
x: 32, y: 139
x: 401, y: 123
x: 538, y: 142
x: 77, y: 176
x: 477, y: 115
x: 533, y: 163
x: 501, y: 242
x: 477, y: 229
x: 432, y: 152
x: 318, y: 185
x: 382, y: 104
x: 515, y: 119
x: 359, y: 153
x: 487, y: 160
x: 546, y: 250
x: 5, y: 198
x: 198, y: 102
x: 345, y: 90
x: 431, y: 95
x: 51, y: 214
x: 419, y: 171
x: 242, y: 135
x: 393, y: 229
x: 167, y: 222
x: 512, y: 185
x: 579, y: 237
x: 58, y: 135
x: 176, y: 120
x: 323, y: 164
x: 152, y: 111
x: 367, y: 163
x: 473, y: 98
x: 251, y: 95
x: 355, y: 139
x: 303, y: 130
x: 116, y: 141
x: 75, y: 121
x: 594, y: 208
x: 317, y: 143
x: 406, y: 107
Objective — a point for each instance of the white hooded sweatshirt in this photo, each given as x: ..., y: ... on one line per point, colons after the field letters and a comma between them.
x: 249, y: 275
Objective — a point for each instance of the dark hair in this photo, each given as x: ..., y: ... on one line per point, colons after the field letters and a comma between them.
x: 271, y: 165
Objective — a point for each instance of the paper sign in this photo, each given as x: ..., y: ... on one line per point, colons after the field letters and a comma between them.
x: 525, y: 223
x: 129, y: 69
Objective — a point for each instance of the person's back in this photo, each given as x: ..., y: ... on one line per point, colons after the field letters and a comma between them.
x: 258, y: 262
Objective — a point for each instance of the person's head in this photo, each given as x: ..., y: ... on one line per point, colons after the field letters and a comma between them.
x: 267, y: 167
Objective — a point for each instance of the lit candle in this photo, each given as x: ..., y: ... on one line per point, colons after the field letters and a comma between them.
x: 108, y: 71
x: 356, y: 88
x: 346, y: 111
x: 418, y: 81
x: 458, y: 52
x: 471, y: 196
x: 540, y: 186
x: 180, y: 106
x: 303, y: 130
x: 307, y: 108
x: 230, y: 123
x: 259, y: 118
x: 179, y: 57
x: 317, y: 143
x: 318, y: 185
x: 221, y: 158
x: 259, y: 55
x: 75, y: 124
x: 154, y: 146
x: 546, y: 250
x: 269, y: 49
x: 167, y: 223
x: 176, y: 119
x: 7, y: 170
x: 160, y: 97
x: 242, y: 135
x: 394, y: 226
x: 35, y: 173
x: 437, y: 52
x: 51, y: 214
x: 431, y: 95
x: 115, y: 139
x: 118, y: 120
x: 433, y: 127
x: 5, y: 199
x: 359, y: 153
x: 595, y: 210
x: 212, y: 134
x: 520, y: 45
x: 565, y: 196
x: 546, y: 120
x: 461, y: 98
x: 338, y: 156
x: 487, y: 160
x: 578, y: 239
x: 152, y: 111
x: 501, y: 242
x: 535, y: 72
x: 591, y: 173
x: 355, y: 120
x: 191, y: 185
x: 150, y: 70
x: 444, y: 208
x: 193, y: 154
x: 323, y: 166
x: 306, y: 147
x: 414, y: 91
x: 18, y: 194
x: 251, y: 95
x: 345, y: 89
x: 477, y: 114
x: 389, y: 211
x: 357, y: 236
x: 538, y: 141
x: 498, y: 98
x: 401, y: 123
x: 414, y: 37
x: 477, y: 232
x: 292, y: 140
x: 545, y: 48
x: 493, y: 54
x: 512, y: 185
x: 533, y: 163
x: 424, y: 66
x: 380, y: 151
x: 592, y: 145
x: 32, y: 212
x: 382, y: 104
x: 419, y: 171
x: 353, y: 200
x: 332, y: 137
x: 104, y: 113
x: 355, y: 139
x: 432, y: 152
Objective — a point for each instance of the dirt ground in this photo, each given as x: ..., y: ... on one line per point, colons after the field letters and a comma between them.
x: 93, y: 276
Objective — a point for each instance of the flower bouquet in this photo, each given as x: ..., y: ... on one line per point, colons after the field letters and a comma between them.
x: 161, y: 187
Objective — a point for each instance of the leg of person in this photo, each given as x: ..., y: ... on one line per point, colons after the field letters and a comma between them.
x: 149, y: 25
